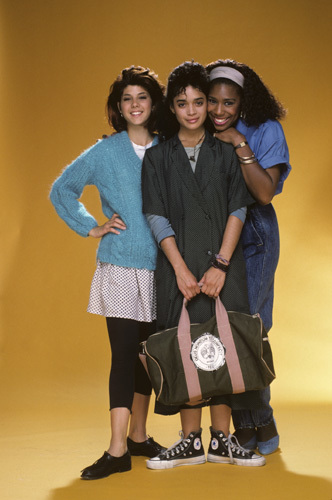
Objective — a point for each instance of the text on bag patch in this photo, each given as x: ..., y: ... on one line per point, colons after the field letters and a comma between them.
x: 208, y: 352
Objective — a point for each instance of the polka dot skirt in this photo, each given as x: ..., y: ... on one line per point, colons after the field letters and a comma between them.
x: 123, y: 292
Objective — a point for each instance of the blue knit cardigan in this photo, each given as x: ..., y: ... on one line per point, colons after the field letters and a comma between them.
x: 114, y: 168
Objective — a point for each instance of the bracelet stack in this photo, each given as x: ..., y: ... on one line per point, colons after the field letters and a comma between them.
x: 246, y: 160
x: 220, y: 257
x: 220, y: 263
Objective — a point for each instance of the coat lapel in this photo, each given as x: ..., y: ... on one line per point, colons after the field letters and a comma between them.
x: 206, y: 162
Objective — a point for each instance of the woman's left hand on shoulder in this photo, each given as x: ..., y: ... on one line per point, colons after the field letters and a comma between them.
x: 212, y: 282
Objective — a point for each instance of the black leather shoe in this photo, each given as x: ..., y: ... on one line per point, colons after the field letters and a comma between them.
x: 148, y: 448
x: 107, y: 465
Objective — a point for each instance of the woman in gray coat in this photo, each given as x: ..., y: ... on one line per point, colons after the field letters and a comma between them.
x: 194, y: 196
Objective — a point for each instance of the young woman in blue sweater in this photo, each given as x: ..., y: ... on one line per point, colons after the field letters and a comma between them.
x: 245, y: 114
x: 123, y: 288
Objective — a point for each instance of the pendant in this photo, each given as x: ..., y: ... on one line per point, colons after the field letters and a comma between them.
x: 192, y: 158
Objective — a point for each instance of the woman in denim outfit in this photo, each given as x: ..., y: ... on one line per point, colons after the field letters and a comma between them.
x: 245, y: 113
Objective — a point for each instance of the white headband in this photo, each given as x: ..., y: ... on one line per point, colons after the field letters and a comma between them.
x: 227, y: 72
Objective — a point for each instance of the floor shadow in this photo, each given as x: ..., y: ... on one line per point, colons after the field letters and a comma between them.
x: 208, y: 481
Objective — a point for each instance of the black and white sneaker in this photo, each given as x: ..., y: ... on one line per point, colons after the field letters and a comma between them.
x: 227, y: 450
x: 186, y: 451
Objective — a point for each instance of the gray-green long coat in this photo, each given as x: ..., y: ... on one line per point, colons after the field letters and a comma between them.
x: 197, y: 206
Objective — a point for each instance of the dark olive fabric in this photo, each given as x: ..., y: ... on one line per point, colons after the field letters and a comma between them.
x: 168, y: 375
x: 197, y: 206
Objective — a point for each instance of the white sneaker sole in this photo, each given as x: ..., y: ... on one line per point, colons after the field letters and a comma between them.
x: 256, y: 462
x: 169, y: 464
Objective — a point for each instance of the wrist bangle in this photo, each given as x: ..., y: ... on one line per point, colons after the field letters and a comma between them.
x: 241, y: 145
x: 247, y: 162
x: 246, y: 157
x: 219, y: 265
x: 220, y: 257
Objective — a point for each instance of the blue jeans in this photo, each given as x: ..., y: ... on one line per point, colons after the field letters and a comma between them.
x: 260, y: 242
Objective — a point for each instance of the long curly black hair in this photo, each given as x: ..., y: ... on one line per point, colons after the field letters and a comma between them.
x: 258, y: 104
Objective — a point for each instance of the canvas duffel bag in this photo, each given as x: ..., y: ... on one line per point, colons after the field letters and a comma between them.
x: 229, y: 354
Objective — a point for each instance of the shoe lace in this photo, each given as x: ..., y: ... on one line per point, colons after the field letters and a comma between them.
x: 235, y: 448
x: 177, y: 447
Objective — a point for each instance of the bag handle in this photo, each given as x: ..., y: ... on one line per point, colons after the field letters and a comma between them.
x: 226, y: 337
x: 232, y: 358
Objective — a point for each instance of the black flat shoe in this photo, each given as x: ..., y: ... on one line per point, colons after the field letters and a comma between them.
x: 107, y: 465
x: 148, y: 448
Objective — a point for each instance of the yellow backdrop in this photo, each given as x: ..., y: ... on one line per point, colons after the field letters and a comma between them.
x: 58, y: 59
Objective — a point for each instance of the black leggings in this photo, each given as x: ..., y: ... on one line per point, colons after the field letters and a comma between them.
x: 127, y: 372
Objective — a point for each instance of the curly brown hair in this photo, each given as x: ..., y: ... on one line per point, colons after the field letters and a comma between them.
x: 189, y: 73
x: 144, y: 77
x: 258, y: 104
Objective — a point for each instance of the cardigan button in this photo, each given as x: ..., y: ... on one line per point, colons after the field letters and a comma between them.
x: 209, y: 252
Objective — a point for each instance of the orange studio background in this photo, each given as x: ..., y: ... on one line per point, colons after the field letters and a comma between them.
x: 58, y: 59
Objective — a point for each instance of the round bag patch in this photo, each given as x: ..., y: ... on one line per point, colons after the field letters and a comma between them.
x: 208, y: 352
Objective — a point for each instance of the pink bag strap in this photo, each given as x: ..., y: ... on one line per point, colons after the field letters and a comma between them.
x: 232, y: 359
x: 190, y: 370
x: 226, y: 337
